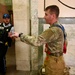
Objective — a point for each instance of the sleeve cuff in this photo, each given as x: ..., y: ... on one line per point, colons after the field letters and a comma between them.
x: 20, y: 34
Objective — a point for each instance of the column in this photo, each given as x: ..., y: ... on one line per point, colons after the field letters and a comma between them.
x: 21, y: 24
x: 34, y: 31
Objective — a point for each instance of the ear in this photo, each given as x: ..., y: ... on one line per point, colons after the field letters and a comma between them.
x: 53, y: 15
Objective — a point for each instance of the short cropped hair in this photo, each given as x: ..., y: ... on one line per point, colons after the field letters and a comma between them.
x: 53, y: 9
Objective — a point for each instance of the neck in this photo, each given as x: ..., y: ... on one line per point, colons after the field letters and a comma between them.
x: 53, y: 21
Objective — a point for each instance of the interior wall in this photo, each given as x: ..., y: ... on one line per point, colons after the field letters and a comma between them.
x: 64, y: 11
x: 3, y: 9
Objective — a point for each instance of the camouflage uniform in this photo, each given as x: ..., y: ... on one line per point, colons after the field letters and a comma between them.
x: 54, y: 65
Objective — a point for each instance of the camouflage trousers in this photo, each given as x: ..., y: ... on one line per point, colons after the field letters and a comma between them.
x: 55, y: 65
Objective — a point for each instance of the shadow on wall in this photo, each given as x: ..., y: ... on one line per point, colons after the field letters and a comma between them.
x: 3, y: 10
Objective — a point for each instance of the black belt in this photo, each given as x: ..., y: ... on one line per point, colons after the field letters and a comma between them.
x: 57, y: 54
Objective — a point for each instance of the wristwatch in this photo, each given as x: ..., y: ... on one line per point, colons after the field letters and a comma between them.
x: 20, y: 34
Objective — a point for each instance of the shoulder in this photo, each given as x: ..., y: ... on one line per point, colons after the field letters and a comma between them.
x: 1, y: 25
x: 49, y: 30
x: 47, y: 33
x: 11, y: 26
x: 55, y: 29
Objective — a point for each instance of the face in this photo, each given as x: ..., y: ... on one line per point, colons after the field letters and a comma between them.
x: 6, y: 20
x: 48, y: 17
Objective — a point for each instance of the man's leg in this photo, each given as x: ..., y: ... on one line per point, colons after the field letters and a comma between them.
x: 54, y: 65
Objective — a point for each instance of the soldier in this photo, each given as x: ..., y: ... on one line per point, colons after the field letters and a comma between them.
x: 5, y: 41
x: 54, y: 40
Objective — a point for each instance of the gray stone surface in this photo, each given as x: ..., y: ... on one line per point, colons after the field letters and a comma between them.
x: 34, y: 31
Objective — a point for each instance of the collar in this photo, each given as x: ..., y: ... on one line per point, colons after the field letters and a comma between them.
x: 6, y: 25
x: 56, y: 23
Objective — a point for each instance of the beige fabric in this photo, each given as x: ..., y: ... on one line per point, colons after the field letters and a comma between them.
x: 54, y: 65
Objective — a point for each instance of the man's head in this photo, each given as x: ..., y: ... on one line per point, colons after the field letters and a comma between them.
x: 51, y: 13
x: 6, y: 18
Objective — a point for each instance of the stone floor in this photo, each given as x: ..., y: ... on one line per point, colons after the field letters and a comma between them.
x: 72, y: 70
x: 11, y: 63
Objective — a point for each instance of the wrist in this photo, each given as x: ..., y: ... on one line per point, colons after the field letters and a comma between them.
x: 20, y: 34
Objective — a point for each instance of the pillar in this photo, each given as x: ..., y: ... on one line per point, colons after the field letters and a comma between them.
x: 34, y: 31
x: 21, y: 24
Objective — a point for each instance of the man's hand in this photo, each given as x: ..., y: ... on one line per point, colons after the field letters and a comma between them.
x: 15, y: 34
x: 10, y: 34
